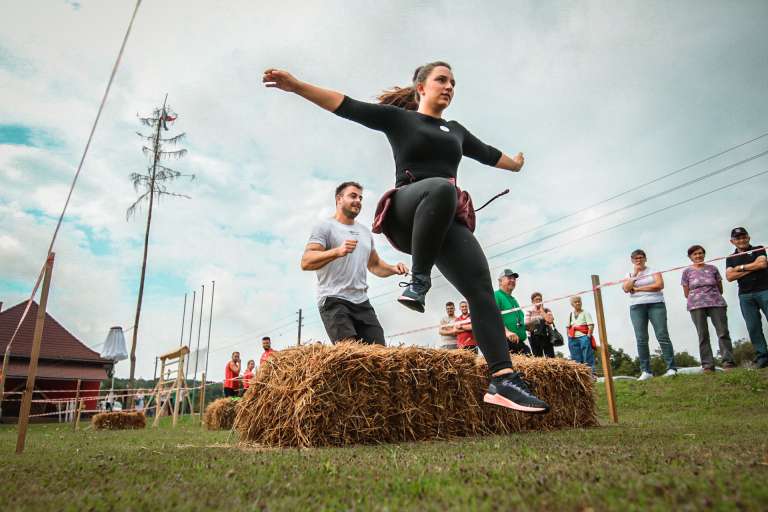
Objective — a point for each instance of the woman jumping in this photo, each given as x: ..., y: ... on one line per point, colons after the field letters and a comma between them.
x: 425, y: 215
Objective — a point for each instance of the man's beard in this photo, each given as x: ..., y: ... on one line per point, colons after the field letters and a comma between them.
x: 349, y: 213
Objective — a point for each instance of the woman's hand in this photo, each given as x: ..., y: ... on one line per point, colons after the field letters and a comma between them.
x: 518, y: 160
x: 282, y: 80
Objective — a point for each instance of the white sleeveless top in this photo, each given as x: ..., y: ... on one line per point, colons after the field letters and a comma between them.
x: 646, y: 278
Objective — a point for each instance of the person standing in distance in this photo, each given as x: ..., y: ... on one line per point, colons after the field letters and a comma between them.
x: 447, y: 328
x: 748, y: 265
x: 341, y: 251
x: 266, y: 344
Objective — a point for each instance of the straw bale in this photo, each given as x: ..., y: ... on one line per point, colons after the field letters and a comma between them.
x: 119, y: 420
x: 220, y: 414
x: 350, y: 393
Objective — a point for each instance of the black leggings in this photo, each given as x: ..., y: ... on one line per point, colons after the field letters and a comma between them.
x: 421, y: 221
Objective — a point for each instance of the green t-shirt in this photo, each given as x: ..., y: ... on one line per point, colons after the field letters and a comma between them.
x: 514, y: 321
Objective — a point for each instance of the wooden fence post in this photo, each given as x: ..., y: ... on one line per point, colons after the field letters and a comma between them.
x: 77, y: 414
x: 26, y: 402
x: 202, y: 398
x: 604, y: 353
x: 77, y: 406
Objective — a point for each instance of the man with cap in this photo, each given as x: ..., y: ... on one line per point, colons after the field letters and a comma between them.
x: 749, y: 266
x: 514, y: 321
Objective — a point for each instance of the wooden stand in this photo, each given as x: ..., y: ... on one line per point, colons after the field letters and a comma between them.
x: 166, y: 388
x: 26, y: 402
x: 605, y: 355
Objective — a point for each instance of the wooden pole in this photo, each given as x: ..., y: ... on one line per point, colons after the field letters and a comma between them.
x: 605, y: 355
x: 2, y: 376
x: 298, y: 338
x: 159, y: 397
x: 77, y: 415
x: 179, y: 396
x: 202, y: 397
x: 77, y: 405
x: 26, y: 403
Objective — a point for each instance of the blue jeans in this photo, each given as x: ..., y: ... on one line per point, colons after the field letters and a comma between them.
x: 751, y: 305
x: 656, y: 313
x: 581, y: 351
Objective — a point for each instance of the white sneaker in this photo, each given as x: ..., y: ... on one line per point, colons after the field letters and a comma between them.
x: 670, y: 373
x: 645, y: 376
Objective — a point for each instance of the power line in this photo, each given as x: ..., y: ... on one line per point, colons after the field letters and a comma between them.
x: 607, y: 214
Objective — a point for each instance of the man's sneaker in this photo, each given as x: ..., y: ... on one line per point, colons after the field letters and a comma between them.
x: 511, y: 391
x: 728, y: 366
x: 413, y: 297
x: 670, y: 373
x: 645, y: 376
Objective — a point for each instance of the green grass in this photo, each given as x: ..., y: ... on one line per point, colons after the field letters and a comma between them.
x: 688, y: 443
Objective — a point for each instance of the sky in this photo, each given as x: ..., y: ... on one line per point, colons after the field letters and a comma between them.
x: 600, y: 96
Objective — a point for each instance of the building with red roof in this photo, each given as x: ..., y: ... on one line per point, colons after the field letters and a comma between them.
x: 63, y: 361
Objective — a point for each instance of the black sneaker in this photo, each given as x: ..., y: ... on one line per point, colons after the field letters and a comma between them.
x: 511, y: 391
x: 413, y: 297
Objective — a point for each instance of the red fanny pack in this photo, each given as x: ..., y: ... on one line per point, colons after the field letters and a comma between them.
x: 465, y: 210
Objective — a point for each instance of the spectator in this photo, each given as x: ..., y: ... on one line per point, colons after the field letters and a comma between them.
x: 464, y: 338
x: 541, y: 322
x: 703, y: 289
x: 750, y: 269
x: 646, y: 299
x: 580, y: 338
x: 231, y: 374
x: 248, y: 375
x: 138, y: 401
x: 266, y: 344
x: 447, y: 329
x: 513, y: 318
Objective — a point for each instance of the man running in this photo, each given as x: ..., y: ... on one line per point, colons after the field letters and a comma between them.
x: 341, y: 251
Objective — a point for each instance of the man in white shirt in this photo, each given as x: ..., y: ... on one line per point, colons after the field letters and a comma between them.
x: 341, y: 251
x: 447, y: 329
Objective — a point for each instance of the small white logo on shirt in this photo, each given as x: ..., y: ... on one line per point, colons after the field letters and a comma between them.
x: 444, y: 128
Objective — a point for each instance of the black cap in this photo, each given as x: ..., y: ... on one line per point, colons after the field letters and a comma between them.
x: 508, y: 273
x: 737, y: 232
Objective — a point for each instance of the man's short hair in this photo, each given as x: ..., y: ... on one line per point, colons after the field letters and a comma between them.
x: 574, y: 298
x: 536, y: 294
x: 464, y: 302
x: 235, y: 352
x: 346, y: 184
x: 266, y: 338
x: 450, y: 303
x: 638, y: 252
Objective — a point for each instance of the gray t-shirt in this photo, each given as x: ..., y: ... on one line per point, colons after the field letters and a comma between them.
x: 345, y: 278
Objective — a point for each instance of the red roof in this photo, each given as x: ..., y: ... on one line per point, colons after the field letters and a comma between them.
x: 58, y: 343
x: 57, y: 370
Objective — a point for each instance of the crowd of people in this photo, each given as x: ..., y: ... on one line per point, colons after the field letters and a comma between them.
x: 236, y: 385
x: 702, y: 287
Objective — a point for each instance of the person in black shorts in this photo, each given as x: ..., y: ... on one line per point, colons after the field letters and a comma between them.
x: 426, y: 215
x: 340, y: 250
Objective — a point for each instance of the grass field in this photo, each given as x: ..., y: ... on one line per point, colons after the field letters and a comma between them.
x: 687, y: 443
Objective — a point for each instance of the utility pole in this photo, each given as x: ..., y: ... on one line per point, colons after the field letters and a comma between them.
x: 183, y: 317
x: 298, y: 338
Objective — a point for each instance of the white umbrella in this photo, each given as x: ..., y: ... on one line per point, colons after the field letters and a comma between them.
x: 114, y: 350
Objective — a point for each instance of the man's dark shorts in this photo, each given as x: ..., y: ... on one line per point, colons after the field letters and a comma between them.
x: 229, y: 392
x: 347, y: 320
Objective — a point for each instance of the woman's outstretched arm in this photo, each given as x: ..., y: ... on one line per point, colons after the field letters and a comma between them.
x: 283, y: 80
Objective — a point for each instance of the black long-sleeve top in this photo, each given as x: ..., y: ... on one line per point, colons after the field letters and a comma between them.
x: 425, y: 146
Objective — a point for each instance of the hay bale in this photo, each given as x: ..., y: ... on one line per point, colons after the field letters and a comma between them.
x: 319, y: 395
x: 119, y: 420
x: 220, y: 414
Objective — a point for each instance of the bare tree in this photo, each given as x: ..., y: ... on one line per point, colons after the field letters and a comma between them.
x: 153, y: 185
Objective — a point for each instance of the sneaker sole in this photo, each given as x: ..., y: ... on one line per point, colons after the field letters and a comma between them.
x: 509, y: 404
x: 411, y: 304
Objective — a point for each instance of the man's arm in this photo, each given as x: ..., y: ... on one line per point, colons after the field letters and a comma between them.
x: 380, y: 268
x: 316, y: 256
x: 739, y: 271
x: 447, y: 330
